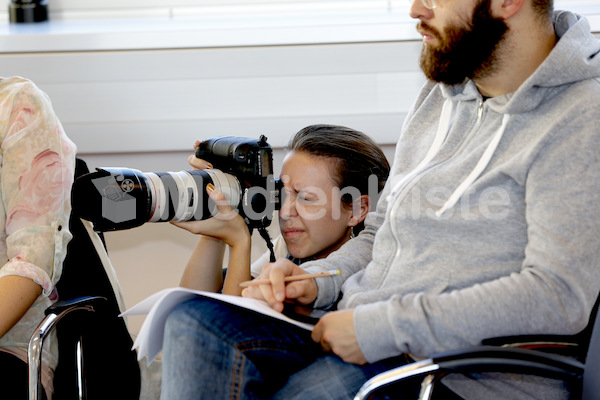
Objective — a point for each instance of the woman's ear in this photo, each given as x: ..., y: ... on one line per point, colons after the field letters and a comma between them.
x: 360, y: 208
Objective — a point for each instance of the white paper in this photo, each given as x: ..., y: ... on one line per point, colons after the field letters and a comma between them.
x: 149, y: 341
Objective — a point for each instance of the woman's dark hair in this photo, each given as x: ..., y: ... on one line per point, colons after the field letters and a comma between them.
x: 354, y: 156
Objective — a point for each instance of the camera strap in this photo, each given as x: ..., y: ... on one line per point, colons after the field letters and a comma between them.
x: 265, y: 235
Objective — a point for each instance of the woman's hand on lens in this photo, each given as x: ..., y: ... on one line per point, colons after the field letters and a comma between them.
x: 227, y: 225
x: 196, y: 162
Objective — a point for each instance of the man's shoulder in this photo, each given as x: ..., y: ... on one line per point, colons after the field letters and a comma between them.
x: 584, y: 98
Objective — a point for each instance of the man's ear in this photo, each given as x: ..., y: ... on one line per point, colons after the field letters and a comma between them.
x: 506, y: 8
x: 360, y: 209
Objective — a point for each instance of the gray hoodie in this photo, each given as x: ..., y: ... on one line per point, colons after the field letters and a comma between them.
x: 489, y: 224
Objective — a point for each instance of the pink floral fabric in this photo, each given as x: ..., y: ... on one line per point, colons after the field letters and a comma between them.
x: 36, y: 173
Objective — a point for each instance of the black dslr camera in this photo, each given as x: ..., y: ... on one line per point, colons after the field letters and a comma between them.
x: 123, y: 198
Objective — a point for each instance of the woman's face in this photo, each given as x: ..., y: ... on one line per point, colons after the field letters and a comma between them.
x: 312, y: 219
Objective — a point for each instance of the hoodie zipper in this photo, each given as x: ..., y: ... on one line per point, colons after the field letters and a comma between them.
x: 479, y: 112
x: 395, y: 203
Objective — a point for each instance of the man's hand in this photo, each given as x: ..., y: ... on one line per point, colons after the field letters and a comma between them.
x: 335, y: 332
x: 303, y: 292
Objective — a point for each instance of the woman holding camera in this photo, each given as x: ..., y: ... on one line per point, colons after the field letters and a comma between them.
x: 326, y: 176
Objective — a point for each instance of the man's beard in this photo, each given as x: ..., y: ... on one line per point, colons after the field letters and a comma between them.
x: 465, y: 52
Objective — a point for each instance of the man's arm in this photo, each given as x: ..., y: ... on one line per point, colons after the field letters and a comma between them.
x: 352, y: 258
x: 558, y: 282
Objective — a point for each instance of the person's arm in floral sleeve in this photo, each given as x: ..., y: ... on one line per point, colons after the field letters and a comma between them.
x: 36, y: 175
x: 17, y: 294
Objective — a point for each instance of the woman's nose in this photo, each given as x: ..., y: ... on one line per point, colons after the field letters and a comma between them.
x: 288, y: 208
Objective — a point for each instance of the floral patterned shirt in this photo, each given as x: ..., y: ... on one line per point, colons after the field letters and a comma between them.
x: 37, y: 161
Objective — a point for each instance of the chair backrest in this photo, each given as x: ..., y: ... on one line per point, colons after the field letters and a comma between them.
x: 591, y: 383
x: 111, y: 366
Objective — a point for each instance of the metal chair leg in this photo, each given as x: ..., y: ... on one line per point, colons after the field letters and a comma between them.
x: 427, y: 387
x: 34, y: 355
x: 415, y: 369
x: 81, y: 387
x: 36, y: 343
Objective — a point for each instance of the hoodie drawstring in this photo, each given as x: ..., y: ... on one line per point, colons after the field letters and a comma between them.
x: 436, y: 145
x: 481, y: 164
x: 440, y: 137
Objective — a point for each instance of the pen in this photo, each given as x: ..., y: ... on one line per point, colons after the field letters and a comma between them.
x: 290, y: 278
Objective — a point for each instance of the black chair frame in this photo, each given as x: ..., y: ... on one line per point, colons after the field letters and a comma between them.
x: 95, y: 347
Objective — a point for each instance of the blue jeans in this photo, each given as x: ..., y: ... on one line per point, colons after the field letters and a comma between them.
x: 214, y: 350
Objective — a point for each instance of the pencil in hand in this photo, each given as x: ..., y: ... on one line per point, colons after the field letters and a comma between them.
x: 290, y: 278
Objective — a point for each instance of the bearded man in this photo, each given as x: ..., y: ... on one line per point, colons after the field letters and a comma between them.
x: 487, y: 226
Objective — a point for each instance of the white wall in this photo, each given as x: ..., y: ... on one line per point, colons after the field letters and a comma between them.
x: 162, y: 100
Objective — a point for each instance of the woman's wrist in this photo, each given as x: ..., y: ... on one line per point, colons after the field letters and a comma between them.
x: 239, y: 235
x: 238, y: 269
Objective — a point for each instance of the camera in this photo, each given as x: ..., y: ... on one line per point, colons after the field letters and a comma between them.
x: 124, y: 198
